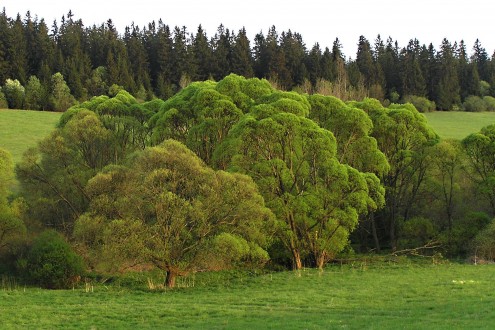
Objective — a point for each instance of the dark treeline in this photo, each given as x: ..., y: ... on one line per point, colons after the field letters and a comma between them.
x: 158, y: 60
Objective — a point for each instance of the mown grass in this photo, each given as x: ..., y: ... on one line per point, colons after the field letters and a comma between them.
x: 458, y: 124
x: 386, y: 296
x: 22, y: 129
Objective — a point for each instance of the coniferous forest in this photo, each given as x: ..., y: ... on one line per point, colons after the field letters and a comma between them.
x: 158, y: 60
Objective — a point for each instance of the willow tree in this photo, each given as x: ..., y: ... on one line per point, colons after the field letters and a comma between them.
x: 352, y: 128
x: 403, y: 135
x: 480, y: 151
x: 315, y: 198
x: 165, y: 206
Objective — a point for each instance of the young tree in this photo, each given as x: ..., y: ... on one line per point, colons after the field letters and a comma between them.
x: 480, y: 150
x: 14, y: 93
x: 35, y: 94
x: 60, y: 97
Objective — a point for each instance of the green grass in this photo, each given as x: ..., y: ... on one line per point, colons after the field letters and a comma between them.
x: 22, y: 129
x: 458, y: 124
x: 386, y: 296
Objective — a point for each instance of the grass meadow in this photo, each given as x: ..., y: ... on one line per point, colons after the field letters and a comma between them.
x: 22, y: 129
x: 457, y: 124
x: 357, y: 296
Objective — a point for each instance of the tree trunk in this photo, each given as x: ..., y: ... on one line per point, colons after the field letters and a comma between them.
x: 321, y: 260
x: 297, y: 263
x: 373, y: 230
x: 170, y: 279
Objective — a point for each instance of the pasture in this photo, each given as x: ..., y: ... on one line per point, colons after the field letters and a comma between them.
x: 458, y: 124
x: 387, y: 295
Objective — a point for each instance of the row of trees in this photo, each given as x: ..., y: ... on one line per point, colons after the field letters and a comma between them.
x: 236, y: 172
x: 159, y: 60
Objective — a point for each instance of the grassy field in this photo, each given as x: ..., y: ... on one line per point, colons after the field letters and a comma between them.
x: 388, y: 296
x: 22, y: 129
x: 457, y: 124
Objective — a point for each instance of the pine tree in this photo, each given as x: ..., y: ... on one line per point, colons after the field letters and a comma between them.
x: 448, y: 86
x: 222, y: 53
x: 202, y: 55
x: 242, y: 61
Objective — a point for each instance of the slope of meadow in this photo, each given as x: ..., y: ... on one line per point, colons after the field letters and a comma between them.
x: 22, y: 129
x: 457, y: 124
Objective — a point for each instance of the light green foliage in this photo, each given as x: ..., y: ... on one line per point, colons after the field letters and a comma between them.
x: 6, y: 174
x: 3, y: 100
x: 484, y: 88
x: 316, y: 199
x: 422, y: 104
x: 447, y: 162
x: 404, y: 137
x: 97, y: 83
x: 14, y: 93
x: 61, y: 98
x: 11, y: 227
x: 35, y: 94
x: 489, y: 102
x: 178, y: 206
x: 53, y: 175
x: 51, y: 263
x: 480, y: 150
x: 474, y: 104
x: 352, y: 128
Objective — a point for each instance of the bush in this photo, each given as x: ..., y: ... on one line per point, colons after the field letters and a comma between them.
x: 422, y: 104
x: 14, y: 93
x: 474, y: 104
x: 34, y: 94
x: 484, y: 243
x: 489, y: 102
x: 51, y: 262
x: 3, y: 100
x: 417, y: 232
x: 464, y: 231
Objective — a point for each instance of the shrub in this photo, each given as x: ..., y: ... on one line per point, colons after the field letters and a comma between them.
x: 417, y: 232
x: 422, y: 104
x: 14, y: 93
x: 51, y: 262
x: 464, y: 231
x: 489, y: 102
x: 34, y: 94
x: 60, y: 99
x: 3, y: 100
x: 484, y: 243
x: 474, y: 104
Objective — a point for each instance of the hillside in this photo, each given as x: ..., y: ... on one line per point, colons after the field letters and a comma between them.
x: 457, y: 124
x: 22, y: 129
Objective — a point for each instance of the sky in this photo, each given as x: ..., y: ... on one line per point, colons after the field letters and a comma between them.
x: 429, y: 21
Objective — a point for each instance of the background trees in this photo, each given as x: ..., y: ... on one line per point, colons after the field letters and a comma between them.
x: 160, y: 60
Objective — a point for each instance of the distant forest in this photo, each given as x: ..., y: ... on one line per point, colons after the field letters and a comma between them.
x: 157, y: 61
